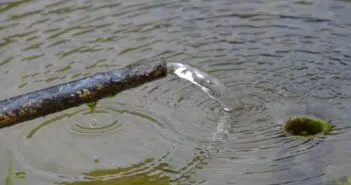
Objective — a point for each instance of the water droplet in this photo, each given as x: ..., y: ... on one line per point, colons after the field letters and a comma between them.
x: 92, y: 106
x: 227, y: 109
x: 93, y: 123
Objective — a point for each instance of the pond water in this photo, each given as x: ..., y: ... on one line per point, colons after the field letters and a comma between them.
x: 278, y: 58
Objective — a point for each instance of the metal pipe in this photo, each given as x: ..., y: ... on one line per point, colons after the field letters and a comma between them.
x: 90, y: 89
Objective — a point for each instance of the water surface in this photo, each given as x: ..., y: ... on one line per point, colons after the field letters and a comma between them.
x: 279, y: 58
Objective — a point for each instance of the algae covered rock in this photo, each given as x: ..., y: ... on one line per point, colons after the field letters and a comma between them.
x: 306, y: 127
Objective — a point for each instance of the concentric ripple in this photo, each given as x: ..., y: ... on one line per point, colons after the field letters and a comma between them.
x: 157, y: 129
x: 108, y: 123
x: 101, y: 132
x: 107, y: 139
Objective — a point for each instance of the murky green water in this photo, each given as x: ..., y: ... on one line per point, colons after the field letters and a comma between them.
x: 279, y: 58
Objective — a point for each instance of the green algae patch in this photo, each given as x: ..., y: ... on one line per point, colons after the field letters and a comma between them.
x: 21, y: 175
x: 139, y: 179
x: 9, y: 176
x: 137, y: 174
x: 342, y: 181
x: 92, y: 106
x: 135, y: 168
x: 305, y: 127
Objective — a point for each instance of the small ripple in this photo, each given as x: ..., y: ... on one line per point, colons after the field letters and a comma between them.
x: 58, y: 3
x: 106, y: 6
x: 10, y: 5
x: 57, y: 43
x: 32, y: 57
x: 127, y: 50
x: 80, y: 49
x: 68, y: 9
x: 88, y: 126
x: 6, y: 61
x: 62, y: 32
x: 265, y: 15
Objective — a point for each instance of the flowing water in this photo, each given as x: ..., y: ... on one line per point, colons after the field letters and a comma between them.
x: 238, y: 69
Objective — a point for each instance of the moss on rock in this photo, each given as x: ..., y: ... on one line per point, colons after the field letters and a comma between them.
x: 305, y: 127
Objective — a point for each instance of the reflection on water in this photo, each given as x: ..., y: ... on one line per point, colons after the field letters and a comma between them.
x: 279, y: 58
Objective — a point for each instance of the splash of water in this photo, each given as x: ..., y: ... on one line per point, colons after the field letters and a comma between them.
x: 209, y: 84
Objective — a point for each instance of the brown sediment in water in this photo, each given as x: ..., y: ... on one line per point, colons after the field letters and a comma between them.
x: 86, y: 90
x: 306, y: 127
